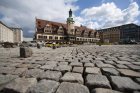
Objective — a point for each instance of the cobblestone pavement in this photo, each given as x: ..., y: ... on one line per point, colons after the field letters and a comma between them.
x: 81, y: 69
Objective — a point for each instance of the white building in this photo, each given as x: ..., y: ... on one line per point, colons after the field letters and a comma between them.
x: 7, y: 34
x: 18, y: 35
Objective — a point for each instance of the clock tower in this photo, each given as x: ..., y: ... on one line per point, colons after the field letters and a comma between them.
x: 70, y: 24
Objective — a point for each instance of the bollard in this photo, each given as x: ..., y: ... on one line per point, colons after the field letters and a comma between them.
x: 25, y: 52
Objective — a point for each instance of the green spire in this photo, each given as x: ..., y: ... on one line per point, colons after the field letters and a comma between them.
x: 70, y: 19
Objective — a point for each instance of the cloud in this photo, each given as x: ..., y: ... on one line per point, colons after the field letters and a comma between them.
x: 108, y: 14
x: 78, y: 20
x: 22, y: 13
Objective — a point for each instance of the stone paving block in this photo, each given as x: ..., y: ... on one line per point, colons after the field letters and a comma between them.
x: 92, y: 70
x: 7, y: 70
x: 19, y: 71
x: 122, y: 62
x: 100, y: 65
x: 63, y: 63
x: 48, y: 67
x: 104, y: 90
x: 89, y: 65
x: 78, y: 70
x: 5, y: 79
x: 99, y: 58
x: 125, y: 59
x: 20, y: 85
x: 63, y: 68
x: 72, y: 77
x: 138, y: 80
x: 33, y: 73
x: 33, y: 66
x: 38, y: 62
x: 121, y: 66
x: 13, y: 64
x: 110, y: 71
x: 97, y: 81
x: 51, y: 75
x: 109, y: 62
x: 134, y: 67
x: 23, y: 65
x: 3, y: 64
x: 124, y: 83
x: 78, y: 64
x: 85, y: 61
x: 44, y: 86
x: 136, y: 63
x: 130, y: 73
x: 66, y: 87
x: 52, y: 62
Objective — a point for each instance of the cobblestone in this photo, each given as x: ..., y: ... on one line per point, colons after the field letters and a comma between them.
x: 44, y: 86
x: 20, y: 85
x: 124, y: 83
x: 79, y: 69
x: 72, y: 77
x: 104, y: 90
x: 51, y: 75
x: 92, y: 70
x: 110, y: 71
x: 93, y: 81
x: 66, y: 87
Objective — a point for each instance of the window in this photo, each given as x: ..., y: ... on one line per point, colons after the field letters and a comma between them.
x: 39, y: 37
x: 39, y: 25
x: 61, y: 38
x: 45, y: 37
x: 38, y: 22
x: 47, y: 29
x: 56, y: 38
x: 61, y: 28
x: 50, y: 37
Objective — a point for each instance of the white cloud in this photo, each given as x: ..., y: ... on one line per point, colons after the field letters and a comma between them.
x: 108, y: 14
x: 78, y: 21
x: 23, y: 12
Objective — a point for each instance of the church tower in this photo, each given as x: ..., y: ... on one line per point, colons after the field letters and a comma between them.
x: 70, y: 24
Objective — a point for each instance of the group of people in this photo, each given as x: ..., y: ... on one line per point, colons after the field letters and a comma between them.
x: 39, y: 45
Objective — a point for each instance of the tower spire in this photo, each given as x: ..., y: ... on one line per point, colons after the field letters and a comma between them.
x: 70, y: 13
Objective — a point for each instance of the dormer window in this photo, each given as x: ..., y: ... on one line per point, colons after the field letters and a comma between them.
x: 60, y: 30
x: 48, y: 29
x: 78, y: 32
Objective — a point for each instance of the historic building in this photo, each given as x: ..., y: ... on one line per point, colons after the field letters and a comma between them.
x: 8, y: 34
x: 120, y: 33
x: 49, y: 32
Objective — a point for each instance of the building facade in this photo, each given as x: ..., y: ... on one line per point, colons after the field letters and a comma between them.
x: 13, y: 35
x: 130, y: 31
x: 49, y: 32
x: 6, y: 34
x: 18, y: 35
x: 120, y: 33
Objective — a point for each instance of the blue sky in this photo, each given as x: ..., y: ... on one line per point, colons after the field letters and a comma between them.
x: 95, y: 14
